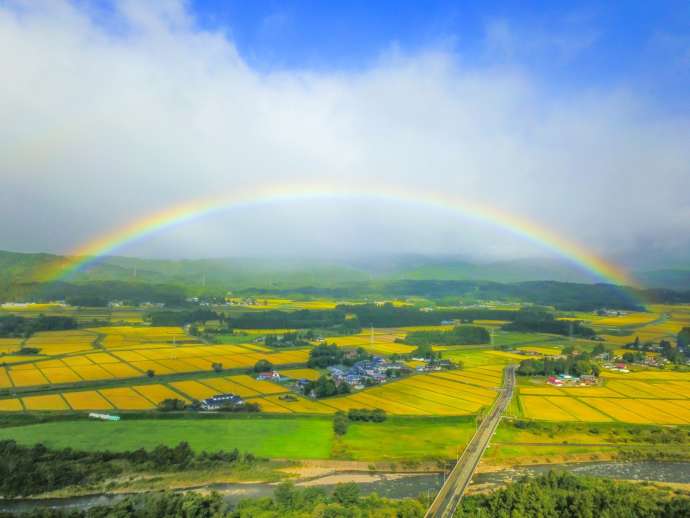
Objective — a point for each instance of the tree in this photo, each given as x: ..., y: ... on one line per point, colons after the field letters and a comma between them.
x: 340, y: 423
x: 285, y: 495
x: 217, y: 367
x: 171, y: 404
x: 346, y: 494
x: 150, y: 373
x: 459, y: 335
x: 598, y: 349
x: 326, y: 386
x: 263, y: 366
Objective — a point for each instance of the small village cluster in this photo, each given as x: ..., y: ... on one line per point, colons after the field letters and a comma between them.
x: 562, y: 380
x: 367, y: 372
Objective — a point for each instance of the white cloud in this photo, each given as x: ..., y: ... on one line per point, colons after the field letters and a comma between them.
x: 107, y: 122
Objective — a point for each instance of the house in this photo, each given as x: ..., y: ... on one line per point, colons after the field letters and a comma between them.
x: 336, y: 372
x: 220, y: 400
x: 268, y: 376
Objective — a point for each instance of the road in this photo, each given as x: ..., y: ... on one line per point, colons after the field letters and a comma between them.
x: 450, y: 494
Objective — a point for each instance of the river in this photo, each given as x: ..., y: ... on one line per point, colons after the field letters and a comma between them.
x: 392, y: 486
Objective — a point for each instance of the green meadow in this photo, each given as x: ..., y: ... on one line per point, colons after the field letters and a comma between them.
x: 306, y: 438
x: 410, y: 438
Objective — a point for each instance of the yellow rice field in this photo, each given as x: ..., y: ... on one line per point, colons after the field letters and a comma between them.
x: 11, y: 405
x: 539, y: 407
x: 227, y: 386
x: 541, y: 349
x: 5, y: 381
x: 194, y: 389
x: 47, y: 402
x: 86, y: 400
x: 59, y: 375
x: 158, y: 393
x: 262, y: 387
x: 92, y: 372
x: 300, y: 406
x: 27, y: 378
x: 599, y: 409
x: 126, y: 399
x: 308, y: 374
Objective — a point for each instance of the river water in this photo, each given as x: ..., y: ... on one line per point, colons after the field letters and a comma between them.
x: 400, y: 487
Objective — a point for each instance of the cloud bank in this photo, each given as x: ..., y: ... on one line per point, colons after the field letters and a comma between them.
x: 108, y: 119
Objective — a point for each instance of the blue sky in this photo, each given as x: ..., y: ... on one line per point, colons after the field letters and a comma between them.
x: 570, y: 44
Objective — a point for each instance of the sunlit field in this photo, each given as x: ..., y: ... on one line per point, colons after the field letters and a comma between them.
x: 136, y: 367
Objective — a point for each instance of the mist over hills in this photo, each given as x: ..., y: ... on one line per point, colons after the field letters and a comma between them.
x: 282, y: 272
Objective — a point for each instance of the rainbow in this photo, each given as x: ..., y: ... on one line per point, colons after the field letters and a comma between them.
x: 108, y: 243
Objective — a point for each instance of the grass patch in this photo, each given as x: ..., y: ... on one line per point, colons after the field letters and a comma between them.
x: 400, y: 439
x: 296, y: 438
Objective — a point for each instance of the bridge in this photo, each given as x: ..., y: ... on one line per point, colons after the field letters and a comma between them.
x: 451, y: 493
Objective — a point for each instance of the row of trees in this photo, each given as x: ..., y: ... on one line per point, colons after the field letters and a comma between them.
x: 325, y: 386
x: 562, y: 495
x: 573, y: 365
x: 182, y: 318
x: 96, y: 292
x: 535, y: 319
x: 553, y: 495
x: 31, y: 470
x: 336, y: 320
x: 12, y: 326
x: 388, y: 315
x: 325, y: 355
x: 459, y: 335
x: 364, y: 414
x: 345, y: 501
x: 678, y: 354
x: 294, y: 339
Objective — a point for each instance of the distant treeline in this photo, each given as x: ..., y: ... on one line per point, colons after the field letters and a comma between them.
x: 540, y: 320
x: 350, y: 318
x: 97, y: 293
x: 31, y: 470
x: 564, y: 495
x: 274, y: 319
x: 465, y: 335
x: 562, y: 295
x: 302, y: 319
x: 388, y: 315
x: 21, y: 327
x: 182, y: 318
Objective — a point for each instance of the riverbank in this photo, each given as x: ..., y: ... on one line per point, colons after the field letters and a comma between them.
x: 390, y: 485
x: 673, y: 475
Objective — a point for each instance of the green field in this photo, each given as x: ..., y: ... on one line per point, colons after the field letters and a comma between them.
x: 399, y: 439
x: 300, y: 438
x: 517, y: 338
x: 524, y: 441
x: 412, y: 438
